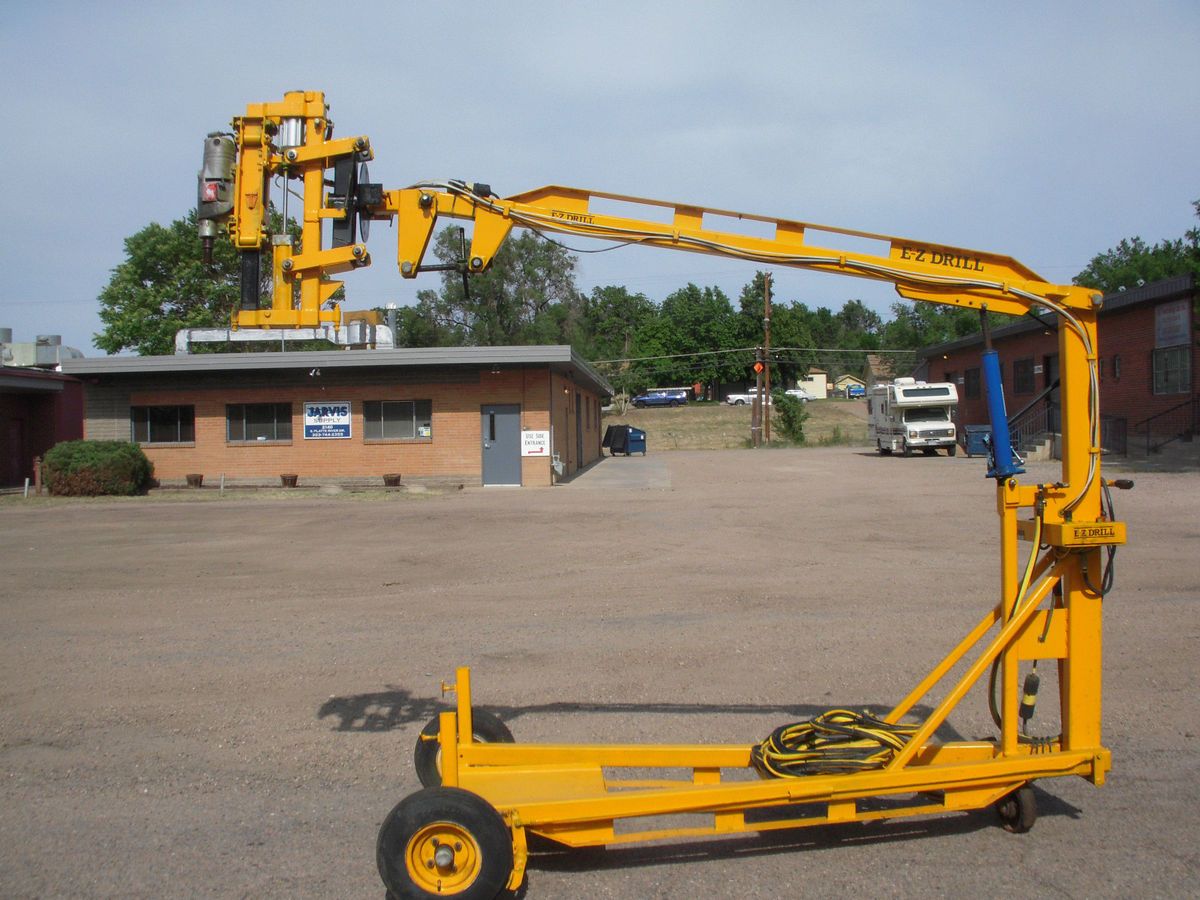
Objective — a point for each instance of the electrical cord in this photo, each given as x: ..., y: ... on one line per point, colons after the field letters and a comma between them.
x: 1108, y: 575
x: 837, y: 742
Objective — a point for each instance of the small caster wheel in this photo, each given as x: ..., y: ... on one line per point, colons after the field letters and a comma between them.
x: 427, y: 756
x: 444, y: 841
x: 1018, y: 811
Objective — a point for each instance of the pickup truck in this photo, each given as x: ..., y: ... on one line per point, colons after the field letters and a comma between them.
x: 744, y: 399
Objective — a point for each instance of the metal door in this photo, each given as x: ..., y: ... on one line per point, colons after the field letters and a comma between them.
x: 500, y: 428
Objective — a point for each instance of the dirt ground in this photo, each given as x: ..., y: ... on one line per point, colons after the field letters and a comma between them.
x: 219, y: 698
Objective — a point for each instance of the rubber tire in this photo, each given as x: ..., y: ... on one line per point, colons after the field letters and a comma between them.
x: 906, y: 450
x: 951, y: 451
x: 470, y: 813
x: 673, y: 403
x: 739, y: 402
x: 486, y: 728
x: 1018, y: 811
x: 640, y: 405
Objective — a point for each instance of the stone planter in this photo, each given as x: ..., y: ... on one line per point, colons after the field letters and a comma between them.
x: 289, y: 480
x: 195, y: 481
x: 392, y: 480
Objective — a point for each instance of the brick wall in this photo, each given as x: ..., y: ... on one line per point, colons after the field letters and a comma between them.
x: 454, y: 451
x: 1124, y: 333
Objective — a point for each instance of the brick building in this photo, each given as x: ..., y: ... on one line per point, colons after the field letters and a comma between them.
x: 1148, y: 353
x: 490, y: 415
x: 37, y: 410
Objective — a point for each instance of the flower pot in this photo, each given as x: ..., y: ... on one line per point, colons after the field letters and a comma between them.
x: 195, y: 480
x: 392, y: 480
x: 289, y: 480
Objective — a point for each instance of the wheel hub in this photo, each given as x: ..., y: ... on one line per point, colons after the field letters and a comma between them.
x: 443, y: 858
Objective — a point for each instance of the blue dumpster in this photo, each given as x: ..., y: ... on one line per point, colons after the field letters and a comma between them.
x: 624, y: 439
x: 636, y: 442
x: 977, y: 439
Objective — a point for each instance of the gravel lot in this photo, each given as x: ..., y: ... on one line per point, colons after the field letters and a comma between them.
x: 219, y: 698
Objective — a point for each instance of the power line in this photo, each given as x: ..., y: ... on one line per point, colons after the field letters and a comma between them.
x: 774, y: 350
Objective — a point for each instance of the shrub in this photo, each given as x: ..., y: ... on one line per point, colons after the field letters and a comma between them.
x: 93, y: 468
x: 790, y: 416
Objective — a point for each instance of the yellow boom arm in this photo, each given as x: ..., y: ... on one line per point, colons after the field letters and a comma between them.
x: 293, y: 140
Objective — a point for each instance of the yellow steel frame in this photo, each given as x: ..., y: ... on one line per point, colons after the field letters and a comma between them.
x: 301, y: 286
x: 571, y: 793
x: 1047, y: 611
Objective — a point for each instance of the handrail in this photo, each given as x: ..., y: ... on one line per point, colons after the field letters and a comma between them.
x: 1166, y: 412
x: 1034, y: 402
x: 1188, y: 422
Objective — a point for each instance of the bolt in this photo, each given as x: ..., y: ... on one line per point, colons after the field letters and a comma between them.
x: 291, y: 155
x: 406, y: 268
x: 444, y: 857
x: 426, y: 201
x: 476, y: 262
x: 357, y: 251
x: 287, y: 265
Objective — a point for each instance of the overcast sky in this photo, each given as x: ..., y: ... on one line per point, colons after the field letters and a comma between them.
x: 1046, y: 131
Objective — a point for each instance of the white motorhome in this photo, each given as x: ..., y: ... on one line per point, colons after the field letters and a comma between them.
x: 908, y: 415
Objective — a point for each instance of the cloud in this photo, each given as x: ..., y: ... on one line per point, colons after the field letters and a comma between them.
x: 1044, y: 131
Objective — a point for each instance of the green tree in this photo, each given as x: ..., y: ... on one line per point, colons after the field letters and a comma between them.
x: 527, y: 296
x: 613, y: 316
x: 860, y: 326
x: 1133, y: 261
x: 791, y: 340
x: 791, y: 334
x: 701, y: 322
x: 790, y: 416
x: 919, y: 324
x: 419, y: 325
x: 163, y: 286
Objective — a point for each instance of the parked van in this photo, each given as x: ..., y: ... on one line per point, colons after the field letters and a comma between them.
x: 908, y: 415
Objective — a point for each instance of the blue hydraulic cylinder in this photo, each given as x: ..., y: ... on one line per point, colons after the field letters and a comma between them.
x: 1004, y: 461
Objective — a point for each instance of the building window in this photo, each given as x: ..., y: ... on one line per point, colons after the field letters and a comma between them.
x: 162, y: 424
x: 1117, y: 367
x: 971, y: 383
x: 258, y: 422
x: 1172, y: 372
x: 397, y: 420
x: 1023, y: 381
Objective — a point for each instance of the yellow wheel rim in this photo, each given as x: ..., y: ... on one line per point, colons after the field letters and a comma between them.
x: 443, y: 858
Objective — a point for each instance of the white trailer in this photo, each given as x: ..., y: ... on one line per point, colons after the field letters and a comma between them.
x: 908, y: 415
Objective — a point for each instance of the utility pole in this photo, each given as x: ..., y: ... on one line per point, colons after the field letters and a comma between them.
x: 767, y: 354
x: 757, y: 407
